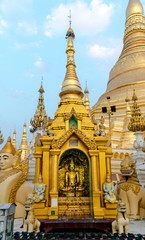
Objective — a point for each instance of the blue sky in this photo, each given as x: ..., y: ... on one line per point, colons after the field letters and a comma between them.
x: 32, y: 45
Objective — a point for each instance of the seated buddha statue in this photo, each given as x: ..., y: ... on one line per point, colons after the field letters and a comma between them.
x: 39, y: 190
x: 109, y: 190
x: 12, y: 176
x: 72, y: 177
x: 73, y: 183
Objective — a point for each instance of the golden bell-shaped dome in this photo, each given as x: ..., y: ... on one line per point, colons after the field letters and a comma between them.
x: 134, y: 6
x: 8, y: 148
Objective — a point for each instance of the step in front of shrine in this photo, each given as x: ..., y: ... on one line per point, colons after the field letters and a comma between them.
x: 76, y: 225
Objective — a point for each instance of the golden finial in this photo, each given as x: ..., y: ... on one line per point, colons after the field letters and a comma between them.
x: 8, y: 148
x: 128, y: 111
x: 86, y: 100
x: 40, y: 180
x: 14, y: 139
x: 24, y: 146
x: 137, y: 122
x: 40, y: 119
x: 71, y: 86
x: 108, y: 177
x: 135, y: 19
x: 1, y: 137
x: 134, y: 7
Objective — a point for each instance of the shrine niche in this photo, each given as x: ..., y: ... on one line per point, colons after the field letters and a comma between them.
x: 74, y: 184
x: 73, y: 174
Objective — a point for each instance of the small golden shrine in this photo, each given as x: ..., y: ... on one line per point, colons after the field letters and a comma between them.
x: 72, y: 159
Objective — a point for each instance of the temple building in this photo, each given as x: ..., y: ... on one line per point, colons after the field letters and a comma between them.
x: 72, y: 158
x: 127, y: 74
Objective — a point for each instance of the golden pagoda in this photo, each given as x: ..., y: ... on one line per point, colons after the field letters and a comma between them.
x: 24, y: 146
x: 40, y: 119
x: 137, y: 122
x: 128, y: 72
x: 14, y: 139
x: 1, y: 137
x: 73, y: 161
x: 86, y: 100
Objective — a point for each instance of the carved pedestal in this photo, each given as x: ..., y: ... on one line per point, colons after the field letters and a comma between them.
x: 110, y: 209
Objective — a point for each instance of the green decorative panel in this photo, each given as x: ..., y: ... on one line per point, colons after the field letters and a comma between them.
x: 52, y: 213
x: 73, y: 121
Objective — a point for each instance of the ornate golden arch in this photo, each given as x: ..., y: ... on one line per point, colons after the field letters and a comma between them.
x: 57, y: 144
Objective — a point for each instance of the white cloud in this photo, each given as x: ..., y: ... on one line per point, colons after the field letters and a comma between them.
x: 21, y: 45
x: 30, y: 75
x: 19, y: 15
x: 15, y: 7
x: 87, y: 18
x: 41, y: 65
x: 29, y: 28
x: 103, y: 52
x: 3, y: 25
x: 14, y: 93
x: 19, y: 91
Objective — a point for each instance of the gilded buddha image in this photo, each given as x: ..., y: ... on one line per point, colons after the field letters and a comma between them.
x: 73, y: 174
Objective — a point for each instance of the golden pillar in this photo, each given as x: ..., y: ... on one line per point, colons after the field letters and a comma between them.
x: 94, y: 171
x: 97, y: 211
x: 38, y: 156
x: 46, y: 171
x: 103, y: 169
x: 53, y: 211
x: 46, y: 141
x: 108, y: 163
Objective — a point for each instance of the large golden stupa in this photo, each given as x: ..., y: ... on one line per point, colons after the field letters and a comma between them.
x: 127, y: 74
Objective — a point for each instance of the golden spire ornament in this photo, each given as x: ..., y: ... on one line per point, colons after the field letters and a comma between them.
x: 24, y: 146
x: 86, y: 100
x: 40, y: 119
x: 135, y: 19
x: 71, y: 87
x: 137, y: 122
x: 1, y: 137
x: 14, y: 139
x: 134, y: 7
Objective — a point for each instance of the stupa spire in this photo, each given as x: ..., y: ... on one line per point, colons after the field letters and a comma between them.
x: 137, y: 122
x: 71, y: 87
x: 135, y: 20
x: 14, y: 139
x: 128, y: 110
x: 40, y: 119
x: 1, y: 137
x: 24, y: 146
x: 86, y: 100
x: 134, y: 7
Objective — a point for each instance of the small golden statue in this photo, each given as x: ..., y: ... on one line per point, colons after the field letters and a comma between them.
x: 39, y: 190
x: 101, y: 128
x: 109, y: 190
